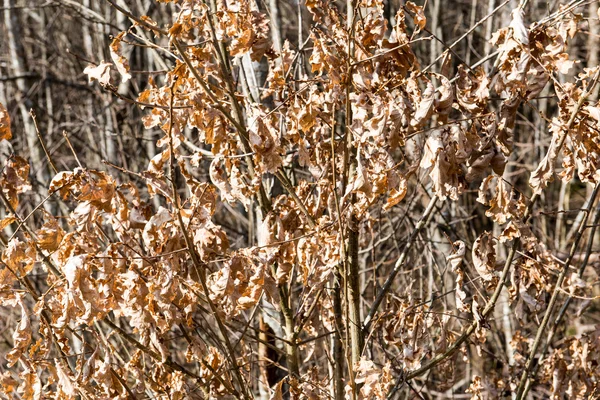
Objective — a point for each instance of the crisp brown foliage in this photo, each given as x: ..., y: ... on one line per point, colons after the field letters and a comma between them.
x: 327, y: 217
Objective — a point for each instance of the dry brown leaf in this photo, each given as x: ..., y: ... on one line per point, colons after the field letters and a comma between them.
x: 456, y: 260
x: 278, y: 391
x: 14, y: 179
x: 116, y: 53
x: 375, y: 381
x: 21, y: 335
x: 65, y: 384
x: 484, y: 256
x: 100, y: 73
x: 31, y: 385
x: 5, y: 133
x: 419, y: 15
x: 50, y: 235
x: 396, y: 195
x: 544, y: 173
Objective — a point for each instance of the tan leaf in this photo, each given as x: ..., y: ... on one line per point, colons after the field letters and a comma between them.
x: 501, y: 205
x: 520, y: 32
x: 433, y: 146
x: 458, y: 254
x: 50, y: 235
x: 396, y: 195
x: 6, y: 221
x: 484, y: 256
x: 100, y: 73
x: 419, y: 15
x: 210, y: 240
x: 456, y: 259
x: 61, y: 181
x: 544, y: 173
x: 5, y: 133
x: 563, y: 64
x: 425, y: 107
x: 361, y: 181
x: 31, y: 386
x: 14, y: 179
x: 277, y: 393
x: 231, y: 187
x: 21, y: 336
x: 476, y: 388
x: 19, y: 256
x: 375, y: 381
x: 120, y: 61
x: 64, y: 381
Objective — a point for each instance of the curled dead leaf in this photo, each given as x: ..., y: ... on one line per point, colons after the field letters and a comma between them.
x: 484, y: 256
x: 100, y: 73
x: 5, y: 133
x: 116, y: 53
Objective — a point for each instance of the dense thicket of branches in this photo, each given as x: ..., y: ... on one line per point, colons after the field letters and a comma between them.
x: 247, y: 199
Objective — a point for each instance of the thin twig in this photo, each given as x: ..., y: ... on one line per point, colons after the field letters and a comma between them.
x: 550, y: 308
x: 399, y: 264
